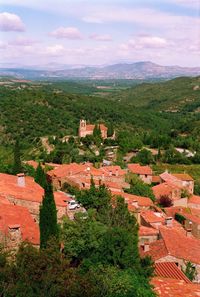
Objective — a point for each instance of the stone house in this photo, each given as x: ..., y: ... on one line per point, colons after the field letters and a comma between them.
x: 175, y: 246
x: 23, y: 191
x: 144, y: 172
x: 17, y: 225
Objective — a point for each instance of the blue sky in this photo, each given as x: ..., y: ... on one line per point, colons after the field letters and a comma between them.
x: 41, y: 32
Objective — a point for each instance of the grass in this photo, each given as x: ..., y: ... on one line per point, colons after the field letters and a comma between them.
x: 193, y: 170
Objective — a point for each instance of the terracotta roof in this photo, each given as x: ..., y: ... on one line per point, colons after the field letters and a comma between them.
x: 157, y: 250
x: 138, y: 169
x: 167, y: 287
x: 170, y: 270
x: 169, y: 178
x: 183, y: 176
x: 114, y: 170
x: 32, y: 163
x: 164, y: 189
x: 14, y: 215
x: 152, y: 217
x: 129, y: 198
x: 147, y: 231
x: 156, y: 179
x: 4, y: 200
x: 181, y: 246
x: 9, y: 188
x: 191, y: 217
x: 61, y: 198
x: 194, y: 199
x: 90, y: 127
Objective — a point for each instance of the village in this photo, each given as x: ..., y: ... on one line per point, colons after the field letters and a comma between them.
x: 169, y: 225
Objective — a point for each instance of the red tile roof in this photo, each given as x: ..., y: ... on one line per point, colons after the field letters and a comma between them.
x: 183, y: 176
x: 147, y: 231
x: 170, y: 179
x: 61, y: 199
x: 91, y: 127
x: 141, y: 170
x: 181, y: 246
x: 157, y: 250
x: 113, y: 170
x: 167, y: 287
x: 14, y: 215
x: 156, y: 179
x: 9, y: 188
x: 152, y: 217
x: 194, y: 199
x: 170, y: 270
x: 129, y: 198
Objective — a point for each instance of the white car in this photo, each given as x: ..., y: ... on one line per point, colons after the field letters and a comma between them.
x: 73, y: 205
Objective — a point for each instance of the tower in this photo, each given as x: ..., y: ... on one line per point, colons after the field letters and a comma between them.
x: 82, y: 128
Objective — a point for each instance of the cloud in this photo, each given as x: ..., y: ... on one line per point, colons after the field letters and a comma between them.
x: 54, y: 50
x: 145, y: 41
x: 66, y: 32
x: 11, y: 22
x: 103, y: 37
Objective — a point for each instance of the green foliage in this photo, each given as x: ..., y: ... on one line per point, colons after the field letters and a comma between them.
x: 17, y: 165
x: 190, y: 271
x: 144, y: 157
x: 48, y: 217
x: 40, y: 176
x: 128, y: 141
x: 179, y: 218
x: 138, y: 187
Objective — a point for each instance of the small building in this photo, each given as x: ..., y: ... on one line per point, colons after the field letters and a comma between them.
x: 144, y: 172
x: 87, y: 129
x: 17, y: 225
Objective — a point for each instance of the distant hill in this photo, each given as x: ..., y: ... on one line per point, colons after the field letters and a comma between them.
x: 182, y: 93
x: 139, y: 70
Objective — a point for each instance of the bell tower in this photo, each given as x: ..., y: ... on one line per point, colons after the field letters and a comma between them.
x: 82, y: 128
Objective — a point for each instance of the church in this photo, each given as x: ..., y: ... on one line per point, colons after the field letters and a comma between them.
x: 85, y: 129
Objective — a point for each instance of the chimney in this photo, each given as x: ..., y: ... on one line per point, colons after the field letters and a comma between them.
x: 168, y: 221
x: 110, y: 173
x: 189, y: 232
x: 21, y: 180
x: 135, y: 203
x: 146, y: 247
x: 117, y: 172
x: 103, y: 176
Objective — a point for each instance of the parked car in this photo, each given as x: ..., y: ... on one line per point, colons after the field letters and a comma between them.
x: 73, y: 205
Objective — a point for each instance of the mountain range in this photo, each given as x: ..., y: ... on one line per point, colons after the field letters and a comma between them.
x: 139, y: 70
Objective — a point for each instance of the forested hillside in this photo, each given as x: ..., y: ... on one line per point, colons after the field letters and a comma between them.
x: 168, y: 109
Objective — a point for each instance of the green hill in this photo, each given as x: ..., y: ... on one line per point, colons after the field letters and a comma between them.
x: 174, y: 95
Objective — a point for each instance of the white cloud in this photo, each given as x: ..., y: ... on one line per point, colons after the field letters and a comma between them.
x: 66, y: 32
x: 145, y: 41
x: 99, y: 37
x: 11, y: 22
x: 54, y: 50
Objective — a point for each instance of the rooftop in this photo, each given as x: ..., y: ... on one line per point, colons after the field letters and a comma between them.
x: 183, y: 176
x: 170, y: 270
x: 167, y: 287
x: 139, y: 169
x: 12, y: 216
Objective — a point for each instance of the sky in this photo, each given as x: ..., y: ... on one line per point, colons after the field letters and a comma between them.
x: 99, y: 32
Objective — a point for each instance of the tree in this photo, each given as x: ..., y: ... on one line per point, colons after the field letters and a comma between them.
x: 17, y: 166
x: 144, y: 157
x: 110, y: 131
x: 190, y: 271
x: 48, y: 217
x: 138, y: 187
x: 165, y: 201
x: 40, y: 176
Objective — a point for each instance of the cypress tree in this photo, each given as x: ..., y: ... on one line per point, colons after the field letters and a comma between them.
x: 48, y: 217
x: 17, y: 165
x: 40, y: 176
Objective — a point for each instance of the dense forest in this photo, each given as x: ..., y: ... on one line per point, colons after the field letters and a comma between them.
x: 160, y: 115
